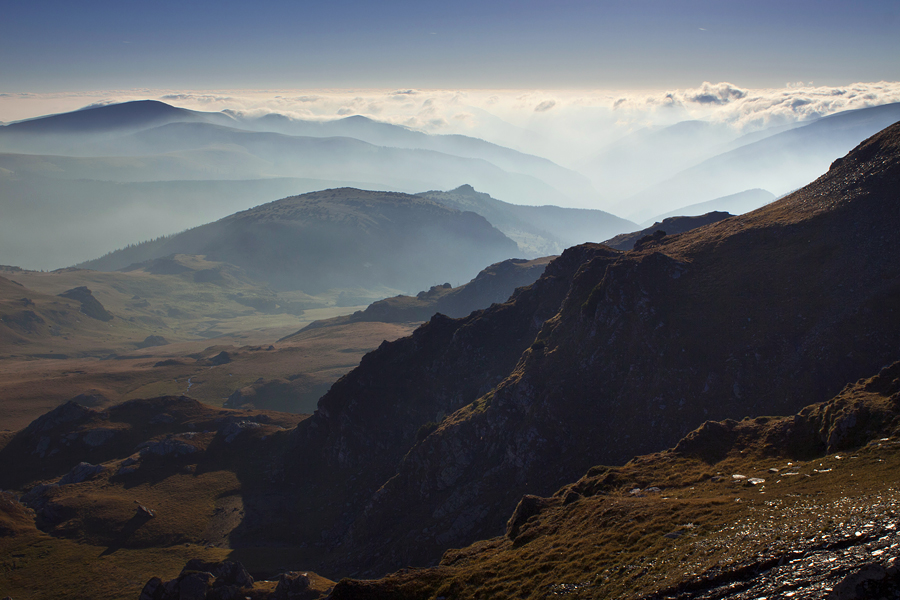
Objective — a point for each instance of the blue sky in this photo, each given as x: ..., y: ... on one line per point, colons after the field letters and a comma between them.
x: 641, y: 44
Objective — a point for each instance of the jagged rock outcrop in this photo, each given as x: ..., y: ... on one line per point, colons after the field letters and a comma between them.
x: 90, y: 306
x: 371, y: 417
x: 158, y: 429
x: 201, y: 580
x: 151, y: 341
x: 228, y: 580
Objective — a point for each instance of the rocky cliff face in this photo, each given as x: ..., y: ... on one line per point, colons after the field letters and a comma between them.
x: 372, y: 417
x: 757, y: 315
x: 801, y: 506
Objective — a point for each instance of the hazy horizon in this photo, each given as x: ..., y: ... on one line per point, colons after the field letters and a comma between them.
x: 564, y: 125
x: 590, y: 86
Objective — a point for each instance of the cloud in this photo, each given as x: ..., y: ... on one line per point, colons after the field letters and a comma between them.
x: 202, y: 98
x: 571, y: 126
x: 747, y: 109
x: 98, y: 104
x: 720, y: 93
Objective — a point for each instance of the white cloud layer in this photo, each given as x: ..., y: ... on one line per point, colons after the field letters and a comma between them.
x: 564, y: 125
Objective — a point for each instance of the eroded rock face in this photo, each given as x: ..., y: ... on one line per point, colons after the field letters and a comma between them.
x: 90, y: 306
x: 372, y: 417
x: 233, y: 430
x: 528, y: 507
x: 292, y: 586
x: 69, y: 412
x: 81, y: 472
x: 151, y: 341
x: 173, y: 446
x: 98, y: 437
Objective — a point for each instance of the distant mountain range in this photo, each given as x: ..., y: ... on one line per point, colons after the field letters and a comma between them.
x: 86, y: 182
x: 78, y: 184
x: 538, y: 230
x: 779, y: 163
x: 98, y: 131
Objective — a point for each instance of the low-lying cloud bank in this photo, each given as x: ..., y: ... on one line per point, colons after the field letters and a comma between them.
x: 564, y: 125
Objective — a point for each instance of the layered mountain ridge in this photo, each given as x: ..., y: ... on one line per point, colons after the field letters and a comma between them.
x: 143, y: 169
x: 758, y: 314
x: 538, y: 230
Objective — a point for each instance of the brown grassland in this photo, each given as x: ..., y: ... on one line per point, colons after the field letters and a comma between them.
x: 51, y: 352
x: 680, y: 518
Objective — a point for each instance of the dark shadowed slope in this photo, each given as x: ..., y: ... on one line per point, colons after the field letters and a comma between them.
x: 760, y: 314
x: 339, y: 238
x: 769, y: 507
x: 493, y: 284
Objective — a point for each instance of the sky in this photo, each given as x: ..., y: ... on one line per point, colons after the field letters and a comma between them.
x: 54, y: 46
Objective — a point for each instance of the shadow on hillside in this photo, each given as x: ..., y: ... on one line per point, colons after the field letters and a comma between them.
x: 128, y: 530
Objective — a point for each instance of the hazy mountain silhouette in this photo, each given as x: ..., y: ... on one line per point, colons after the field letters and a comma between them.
x: 68, y: 132
x: 571, y: 183
x: 126, y: 116
x: 779, y: 163
x: 649, y: 156
x: 105, y: 131
x: 339, y: 238
x: 538, y: 230
x: 148, y: 142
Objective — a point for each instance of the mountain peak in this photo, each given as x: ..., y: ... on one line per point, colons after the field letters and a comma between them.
x: 103, y: 118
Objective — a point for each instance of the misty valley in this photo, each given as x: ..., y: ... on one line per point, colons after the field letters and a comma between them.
x: 267, y: 357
